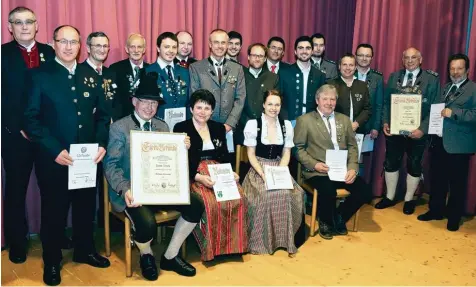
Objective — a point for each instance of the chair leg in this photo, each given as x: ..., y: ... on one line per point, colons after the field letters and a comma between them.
x: 107, y: 233
x: 356, y: 221
x: 313, y: 213
x: 128, y: 247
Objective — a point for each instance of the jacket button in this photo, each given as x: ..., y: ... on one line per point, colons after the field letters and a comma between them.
x: 73, y: 88
x: 80, y: 126
x: 75, y: 100
x: 79, y: 113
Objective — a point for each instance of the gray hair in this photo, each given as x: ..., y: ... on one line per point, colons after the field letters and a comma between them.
x: 19, y: 9
x: 95, y: 35
x: 326, y: 89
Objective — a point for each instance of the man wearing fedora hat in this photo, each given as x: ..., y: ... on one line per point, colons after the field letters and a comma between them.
x: 146, y: 101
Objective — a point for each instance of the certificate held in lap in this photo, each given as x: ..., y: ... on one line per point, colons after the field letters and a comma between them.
x: 225, y: 186
x: 405, y: 113
x: 277, y: 177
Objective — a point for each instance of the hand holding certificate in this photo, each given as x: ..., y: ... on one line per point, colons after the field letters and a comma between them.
x: 82, y: 174
x: 277, y: 177
x: 225, y: 187
x: 436, y: 120
x: 336, y: 160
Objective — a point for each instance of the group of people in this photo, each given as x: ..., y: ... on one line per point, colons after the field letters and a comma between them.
x: 283, y: 113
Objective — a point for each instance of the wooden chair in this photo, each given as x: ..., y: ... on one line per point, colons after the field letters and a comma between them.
x: 160, y: 217
x: 341, y: 193
x: 241, y: 156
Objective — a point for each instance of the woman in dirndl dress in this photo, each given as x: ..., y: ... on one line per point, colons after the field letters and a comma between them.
x: 274, y: 215
x: 222, y: 228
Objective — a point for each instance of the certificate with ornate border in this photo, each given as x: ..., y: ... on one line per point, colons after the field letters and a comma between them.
x: 405, y: 113
x: 159, y: 168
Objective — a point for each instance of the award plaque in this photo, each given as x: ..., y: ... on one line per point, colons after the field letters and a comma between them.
x: 159, y: 168
x: 405, y: 112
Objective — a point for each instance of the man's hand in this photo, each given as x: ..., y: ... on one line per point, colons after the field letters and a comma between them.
x: 64, y: 158
x: 205, y: 180
x: 386, y: 130
x: 355, y: 126
x: 187, y: 142
x: 416, y: 134
x: 321, y: 167
x: 236, y: 176
x: 350, y: 176
x: 100, y: 155
x: 130, y: 200
x: 373, y: 134
x: 24, y: 135
x: 227, y: 128
x: 446, y: 113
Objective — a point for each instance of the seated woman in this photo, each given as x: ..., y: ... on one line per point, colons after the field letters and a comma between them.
x: 222, y: 229
x: 274, y: 215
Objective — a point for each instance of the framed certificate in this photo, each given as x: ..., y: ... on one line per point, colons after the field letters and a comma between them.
x: 405, y: 112
x: 159, y: 168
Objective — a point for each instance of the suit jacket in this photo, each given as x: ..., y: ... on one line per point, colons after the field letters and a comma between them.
x: 312, y: 139
x: 117, y: 164
x: 124, y: 77
x: 328, y: 67
x: 459, y: 131
x: 189, y: 61
x: 65, y: 109
x: 375, y: 85
x: 195, y: 152
x: 291, y: 85
x: 229, y: 95
x: 282, y: 65
x: 427, y: 83
x: 182, y: 84
x: 360, y: 100
x: 14, y: 84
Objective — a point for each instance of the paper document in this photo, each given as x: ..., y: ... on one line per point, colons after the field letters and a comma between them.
x: 336, y: 160
x: 225, y: 187
x: 83, y: 172
x: 277, y: 177
x: 229, y: 141
x: 174, y: 116
x: 436, y: 120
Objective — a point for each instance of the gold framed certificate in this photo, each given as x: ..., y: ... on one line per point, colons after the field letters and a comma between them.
x: 159, y: 168
x: 405, y: 112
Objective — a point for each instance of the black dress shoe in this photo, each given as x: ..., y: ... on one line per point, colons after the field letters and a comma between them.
x: 340, y: 228
x: 17, y: 254
x: 325, y: 230
x: 384, y: 203
x: 452, y: 225
x: 178, y: 265
x: 52, y: 275
x: 148, y: 267
x: 409, y: 207
x: 66, y: 243
x: 430, y: 216
x: 93, y: 259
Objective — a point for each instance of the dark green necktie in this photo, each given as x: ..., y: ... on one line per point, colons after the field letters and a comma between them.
x: 146, y: 126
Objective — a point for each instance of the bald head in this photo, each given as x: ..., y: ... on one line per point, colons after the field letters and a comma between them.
x: 412, y: 59
x: 185, y: 44
x: 218, y: 43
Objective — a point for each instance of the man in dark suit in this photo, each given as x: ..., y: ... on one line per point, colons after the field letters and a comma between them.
x: 324, y: 65
x: 18, y: 56
x: 185, y: 48
x: 353, y: 94
x: 127, y: 75
x: 276, y: 49
x: 299, y: 82
x: 173, y: 80
x: 451, y: 151
x: 411, y: 80
x: 66, y: 106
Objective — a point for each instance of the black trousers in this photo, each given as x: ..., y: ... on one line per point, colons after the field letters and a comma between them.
x: 18, y: 155
x: 143, y: 217
x: 449, y: 172
x: 396, y: 146
x: 360, y: 193
x: 55, y: 202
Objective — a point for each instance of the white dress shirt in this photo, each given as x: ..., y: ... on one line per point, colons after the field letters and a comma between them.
x: 305, y: 74
x: 70, y: 70
x: 415, y: 73
x: 163, y: 66
x: 332, y: 120
x: 269, y: 64
x: 251, y: 133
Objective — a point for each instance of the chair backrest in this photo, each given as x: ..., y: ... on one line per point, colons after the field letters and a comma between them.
x: 241, y: 156
x: 299, y: 174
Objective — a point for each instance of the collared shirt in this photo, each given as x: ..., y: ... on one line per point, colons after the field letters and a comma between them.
x: 134, y: 65
x: 415, y: 73
x: 215, y: 62
x: 92, y: 65
x: 255, y: 72
x: 251, y: 133
x: 351, y: 113
x: 457, y: 86
x: 332, y: 120
x: 29, y: 47
x: 185, y: 59
x: 317, y: 61
x: 70, y: 70
x: 163, y: 65
x: 305, y: 74
x: 141, y: 121
x: 362, y: 76
x: 271, y: 64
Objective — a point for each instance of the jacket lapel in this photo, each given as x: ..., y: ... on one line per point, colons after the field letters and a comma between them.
x: 211, y: 72
x: 460, y: 91
x: 321, y: 127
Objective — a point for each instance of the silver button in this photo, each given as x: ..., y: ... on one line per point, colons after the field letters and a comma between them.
x: 70, y: 77
x: 79, y: 113
x: 75, y: 100
x: 80, y: 126
x: 73, y: 88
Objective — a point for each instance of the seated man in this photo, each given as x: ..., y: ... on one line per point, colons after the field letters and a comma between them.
x: 316, y: 132
x: 118, y: 174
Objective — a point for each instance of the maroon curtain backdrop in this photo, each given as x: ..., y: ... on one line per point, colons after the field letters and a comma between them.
x: 257, y: 21
x: 438, y: 29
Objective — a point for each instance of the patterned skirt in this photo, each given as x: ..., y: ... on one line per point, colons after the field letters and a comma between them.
x: 222, y: 229
x: 274, y: 216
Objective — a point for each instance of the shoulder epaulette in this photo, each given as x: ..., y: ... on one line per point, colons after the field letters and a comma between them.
x: 432, y: 72
x: 330, y: 61
x: 376, y: 72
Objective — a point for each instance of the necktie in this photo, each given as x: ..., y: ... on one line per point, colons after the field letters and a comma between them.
x: 410, y: 80
x: 172, y: 85
x: 451, y: 93
x: 219, y: 72
x: 318, y: 65
x: 146, y: 126
x: 329, y: 125
x: 99, y: 70
x: 136, y: 73
x: 273, y: 69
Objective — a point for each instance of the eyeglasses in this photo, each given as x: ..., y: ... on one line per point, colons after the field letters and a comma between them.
x: 99, y: 46
x: 65, y: 42
x: 261, y: 57
x: 19, y: 23
x: 364, y: 56
x: 153, y: 104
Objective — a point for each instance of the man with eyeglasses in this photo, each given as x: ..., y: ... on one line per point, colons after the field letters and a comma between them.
x: 276, y: 49
x: 374, y: 79
x: 235, y: 43
x: 224, y: 78
x: 173, y: 80
x: 411, y: 80
x: 127, y: 75
x: 258, y: 80
x: 18, y: 57
x: 185, y: 48
x: 66, y: 106
x: 324, y: 65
